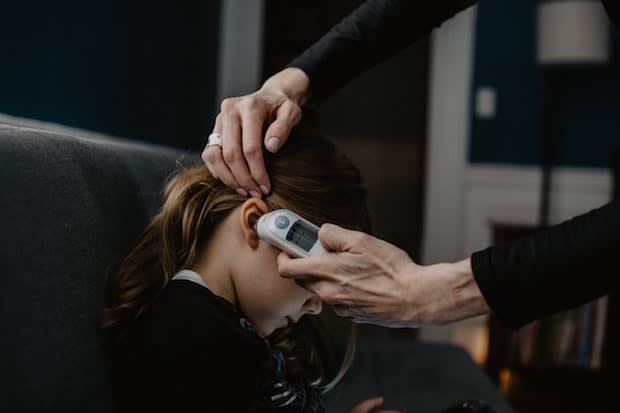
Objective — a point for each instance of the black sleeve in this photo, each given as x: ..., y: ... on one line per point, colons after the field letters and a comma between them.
x: 373, y: 32
x: 552, y: 270
x: 613, y: 11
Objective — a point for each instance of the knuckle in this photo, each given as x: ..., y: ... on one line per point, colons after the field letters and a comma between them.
x: 210, y: 157
x: 231, y: 155
x: 295, y: 110
x: 250, y: 103
x: 326, y: 229
x: 361, y: 238
x: 228, y: 105
x: 251, y: 149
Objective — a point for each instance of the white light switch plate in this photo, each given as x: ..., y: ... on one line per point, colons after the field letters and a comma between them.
x: 486, y: 102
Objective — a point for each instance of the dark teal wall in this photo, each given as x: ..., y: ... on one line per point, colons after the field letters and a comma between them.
x: 589, y: 109
x: 145, y: 70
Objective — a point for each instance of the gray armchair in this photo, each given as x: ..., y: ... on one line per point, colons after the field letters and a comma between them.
x: 72, y: 202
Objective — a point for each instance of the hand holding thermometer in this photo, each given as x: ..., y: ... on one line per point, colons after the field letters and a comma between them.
x: 288, y: 231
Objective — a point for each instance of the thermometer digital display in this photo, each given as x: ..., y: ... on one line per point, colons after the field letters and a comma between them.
x: 288, y: 231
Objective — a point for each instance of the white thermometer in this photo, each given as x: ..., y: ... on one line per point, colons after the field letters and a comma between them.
x: 288, y: 231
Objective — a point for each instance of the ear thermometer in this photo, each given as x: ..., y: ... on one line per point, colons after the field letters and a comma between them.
x: 288, y: 231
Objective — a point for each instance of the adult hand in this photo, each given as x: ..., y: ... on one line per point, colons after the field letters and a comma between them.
x: 239, y: 161
x: 372, y: 406
x: 372, y: 281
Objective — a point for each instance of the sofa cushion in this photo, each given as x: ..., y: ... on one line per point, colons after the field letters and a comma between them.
x: 72, y: 203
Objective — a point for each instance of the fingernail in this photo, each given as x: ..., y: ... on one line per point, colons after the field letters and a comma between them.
x: 255, y: 194
x: 264, y: 189
x: 242, y: 192
x: 273, y: 143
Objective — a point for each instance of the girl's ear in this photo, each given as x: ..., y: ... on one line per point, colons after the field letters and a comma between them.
x: 251, y: 211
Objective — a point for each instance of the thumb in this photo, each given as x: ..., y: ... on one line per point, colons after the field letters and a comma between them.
x: 287, y: 116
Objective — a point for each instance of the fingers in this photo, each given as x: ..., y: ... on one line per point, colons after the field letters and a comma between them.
x: 287, y: 116
x: 313, y: 274
x: 240, y: 123
x: 241, y: 164
x: 233, y: 155
x: 252, y: 148
x: 338, y: 239
x: 212, y: 156
x: 309, y: 268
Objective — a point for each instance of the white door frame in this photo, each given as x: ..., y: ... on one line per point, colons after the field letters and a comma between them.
x: 450, y: 83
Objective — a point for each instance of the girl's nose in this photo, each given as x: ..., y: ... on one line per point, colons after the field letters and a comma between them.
x: 313, y: 305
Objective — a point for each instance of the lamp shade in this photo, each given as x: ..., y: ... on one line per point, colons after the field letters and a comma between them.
x: 572, y: 32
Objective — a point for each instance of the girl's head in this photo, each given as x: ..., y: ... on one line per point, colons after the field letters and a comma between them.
x: 209, y: 228
x: 242, y: 268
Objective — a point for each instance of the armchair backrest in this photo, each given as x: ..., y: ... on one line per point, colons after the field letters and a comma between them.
x: 72, y: 202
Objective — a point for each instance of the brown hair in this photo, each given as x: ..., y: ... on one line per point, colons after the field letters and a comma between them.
x: 309, y: 176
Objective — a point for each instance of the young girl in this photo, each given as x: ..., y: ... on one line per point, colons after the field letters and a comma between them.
x: 198, y: 317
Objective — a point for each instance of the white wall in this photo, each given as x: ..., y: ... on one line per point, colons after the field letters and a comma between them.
x: 451, y: 69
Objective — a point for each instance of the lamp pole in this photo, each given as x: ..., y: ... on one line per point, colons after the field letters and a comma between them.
x: 571, y: 34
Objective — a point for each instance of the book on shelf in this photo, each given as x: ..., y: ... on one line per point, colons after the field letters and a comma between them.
x: 572, y: 338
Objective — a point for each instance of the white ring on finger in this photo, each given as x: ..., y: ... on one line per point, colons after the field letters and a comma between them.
x: 215, y: 139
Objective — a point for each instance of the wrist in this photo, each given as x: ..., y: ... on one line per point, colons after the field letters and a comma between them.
x: 446, y: 292
x: 468, y: 296
x: 292, y: 83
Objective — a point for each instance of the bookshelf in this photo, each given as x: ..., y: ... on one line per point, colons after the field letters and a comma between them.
x: 565, y: 362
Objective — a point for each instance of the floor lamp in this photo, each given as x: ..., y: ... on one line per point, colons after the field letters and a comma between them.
x: 572, y: 37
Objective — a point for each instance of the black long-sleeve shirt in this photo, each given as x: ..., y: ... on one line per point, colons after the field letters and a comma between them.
x: 550, y: 271
x: 193, y: 351
x: 187, y: 353
x: 375, y: 31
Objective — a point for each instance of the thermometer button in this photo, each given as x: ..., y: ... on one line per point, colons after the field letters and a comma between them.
x: 282, y: 221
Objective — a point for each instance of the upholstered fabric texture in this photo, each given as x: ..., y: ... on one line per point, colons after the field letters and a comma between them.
x: 72, y: 202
